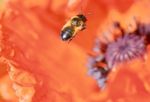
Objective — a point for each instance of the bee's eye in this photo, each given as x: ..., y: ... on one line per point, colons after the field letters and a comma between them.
x: 76, y: 22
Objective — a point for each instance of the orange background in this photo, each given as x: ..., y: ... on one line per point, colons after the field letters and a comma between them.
x: 36, y: 66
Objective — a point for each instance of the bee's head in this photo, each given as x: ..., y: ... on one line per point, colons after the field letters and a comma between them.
x: 78, y: 20
x: 82, y: 17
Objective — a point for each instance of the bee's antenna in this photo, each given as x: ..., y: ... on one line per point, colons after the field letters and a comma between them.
x: 81, y: 8
x: 89, y: 13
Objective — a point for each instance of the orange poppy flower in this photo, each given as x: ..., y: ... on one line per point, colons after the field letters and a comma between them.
x: 36, y: 66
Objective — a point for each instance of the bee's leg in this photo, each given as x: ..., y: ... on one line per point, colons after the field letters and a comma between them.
x: 83, y: 28
x: 71, y: 39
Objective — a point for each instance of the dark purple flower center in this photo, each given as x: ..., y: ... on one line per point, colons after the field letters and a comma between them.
x: 125, y: 48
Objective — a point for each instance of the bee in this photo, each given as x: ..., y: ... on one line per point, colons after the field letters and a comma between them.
x: 73, y: 26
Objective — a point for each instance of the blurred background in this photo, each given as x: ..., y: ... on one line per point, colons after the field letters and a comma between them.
x: 37, y: 66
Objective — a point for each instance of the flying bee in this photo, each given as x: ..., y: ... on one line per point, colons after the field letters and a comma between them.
x: 73, y: 26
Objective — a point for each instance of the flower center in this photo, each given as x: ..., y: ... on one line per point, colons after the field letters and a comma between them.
x: 125, y: 48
